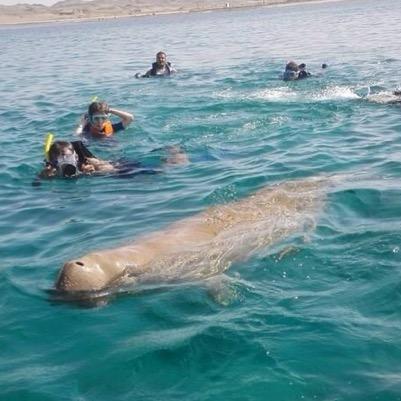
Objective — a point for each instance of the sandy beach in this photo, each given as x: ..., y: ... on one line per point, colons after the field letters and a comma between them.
x: 75, y: 11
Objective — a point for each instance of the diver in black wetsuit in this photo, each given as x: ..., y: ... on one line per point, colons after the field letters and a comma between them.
x: 72, y: 159
x: 302, y: 71
x: 293, y: 71
x: 160, y: 68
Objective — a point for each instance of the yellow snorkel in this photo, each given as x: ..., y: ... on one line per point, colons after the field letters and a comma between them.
x: 47, y: 144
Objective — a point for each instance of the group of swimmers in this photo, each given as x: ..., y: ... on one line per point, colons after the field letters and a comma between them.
x: 70, y: 159
x: 294, y: 71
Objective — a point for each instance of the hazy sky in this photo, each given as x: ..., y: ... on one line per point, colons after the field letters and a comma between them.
x: 11, y: 2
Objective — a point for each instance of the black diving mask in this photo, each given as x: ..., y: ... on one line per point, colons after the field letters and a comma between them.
x: 67, y: 165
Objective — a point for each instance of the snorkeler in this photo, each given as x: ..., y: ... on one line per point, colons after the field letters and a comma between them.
x: 70, y: 159
x: 293, y: 71
x: 73, y: 159
x: 96, y: 122
x: 160, y: 68
x: 302, y: 72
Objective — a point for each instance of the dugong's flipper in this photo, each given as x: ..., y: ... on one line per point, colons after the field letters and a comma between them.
x: 224, y: 290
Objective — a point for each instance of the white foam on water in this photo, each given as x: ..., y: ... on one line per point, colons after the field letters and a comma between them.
x: 335, y: 93
x: 286, y: 94
x: 384, y: 97
x: 278, y: 120
x: 225, y: 94
x: 280, y: 94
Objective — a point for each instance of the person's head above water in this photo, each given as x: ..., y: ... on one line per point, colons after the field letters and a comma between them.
x: 98, y: 107
x: 63, y: 158
x: 161, y: 59
x: 99, y: 118
x: 71, y: 159
x: 98, y: 113
x: 292, y: 66
x: 291, y: 71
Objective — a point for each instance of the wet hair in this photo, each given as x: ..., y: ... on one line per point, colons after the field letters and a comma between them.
x: 291, y: 66
x: 97, y: 107
x: 324, y: 65
x: 56, y: 149
x: 160, y: 53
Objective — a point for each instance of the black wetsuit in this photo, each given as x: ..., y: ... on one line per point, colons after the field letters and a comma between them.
x: 82, y: 151
x: 125, y: 168
x: 153, y: 71
x: 303, y: 74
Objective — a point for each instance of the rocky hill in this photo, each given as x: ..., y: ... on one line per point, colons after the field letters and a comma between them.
x: 80, y: 9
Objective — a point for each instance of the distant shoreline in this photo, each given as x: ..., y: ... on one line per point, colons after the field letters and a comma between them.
x: 48, y: 19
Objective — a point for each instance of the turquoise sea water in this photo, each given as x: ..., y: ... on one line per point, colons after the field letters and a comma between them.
x: 319, y: 323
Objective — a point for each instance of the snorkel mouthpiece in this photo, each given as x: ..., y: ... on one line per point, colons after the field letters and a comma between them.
x: 69, y: 170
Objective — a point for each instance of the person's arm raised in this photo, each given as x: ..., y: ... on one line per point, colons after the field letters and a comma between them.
x: 126, y: 118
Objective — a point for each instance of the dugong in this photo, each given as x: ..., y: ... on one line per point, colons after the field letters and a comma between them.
x: 202, y: 245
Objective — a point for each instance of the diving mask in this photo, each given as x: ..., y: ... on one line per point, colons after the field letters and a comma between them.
x: 99, y: 117
x: 67, y: 165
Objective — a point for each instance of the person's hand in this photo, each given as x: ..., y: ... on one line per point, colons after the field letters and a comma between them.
x: 48, y: 171
x: 87, y: 168
x: 106, y: 107
x: 102, y: 166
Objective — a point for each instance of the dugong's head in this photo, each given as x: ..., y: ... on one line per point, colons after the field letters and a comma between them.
x: 92, y: 272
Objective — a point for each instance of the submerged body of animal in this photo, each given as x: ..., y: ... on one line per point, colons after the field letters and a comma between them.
x: 202, y: 245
